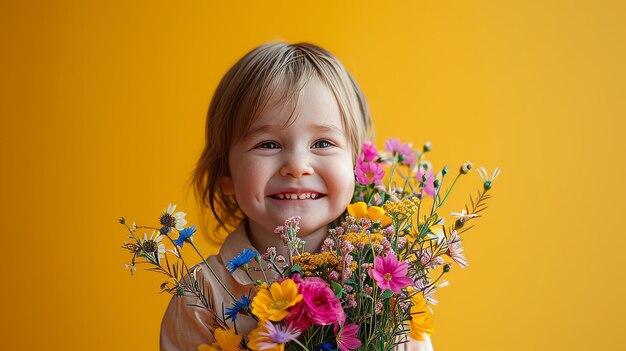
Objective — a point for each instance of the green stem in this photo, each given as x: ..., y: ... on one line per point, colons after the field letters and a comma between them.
x: 391, y: 174
x: 370, y: 194
x: 449, y: 190
x: 249, y: 276
x: 259, y: 261
x: 299, y: 343
x: 212, y: 271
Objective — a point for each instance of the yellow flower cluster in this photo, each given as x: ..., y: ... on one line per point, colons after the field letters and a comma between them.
x: 320, y: 264
x: 356, y: 238
x: 402, y: 209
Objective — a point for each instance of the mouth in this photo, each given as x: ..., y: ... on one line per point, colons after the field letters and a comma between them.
x: 305, y: 195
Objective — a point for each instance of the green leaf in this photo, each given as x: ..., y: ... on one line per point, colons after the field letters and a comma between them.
x: 386, y: 294
x: 296, y: 268
x: 337, y: 289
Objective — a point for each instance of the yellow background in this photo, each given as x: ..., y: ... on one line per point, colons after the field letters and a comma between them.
x: 103, y: 106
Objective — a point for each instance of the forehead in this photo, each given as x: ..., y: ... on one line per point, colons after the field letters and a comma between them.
x: 314, y: 106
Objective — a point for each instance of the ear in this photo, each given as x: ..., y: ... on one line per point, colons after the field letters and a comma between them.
x: 227, y: 185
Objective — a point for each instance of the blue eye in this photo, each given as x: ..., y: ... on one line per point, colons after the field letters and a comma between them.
x: 322, y: 144
x: 268, y: 145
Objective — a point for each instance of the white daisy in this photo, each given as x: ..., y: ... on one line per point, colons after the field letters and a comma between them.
x: 171, y: 219
x: 153, y: 244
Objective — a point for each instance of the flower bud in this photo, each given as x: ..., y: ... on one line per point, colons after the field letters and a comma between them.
x: 487, y: 185
x: 427, y: 146
x: 447, y: 267
x: 459, y: 223
x: 466, y: 167
x: 444, y: 171
x: 436, y: 183
x: 164, y: 230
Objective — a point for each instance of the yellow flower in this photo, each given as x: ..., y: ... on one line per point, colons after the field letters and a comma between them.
x: 272, y: 304
x: 421, y: 317
x: 373, y: 213
x: 225, y: 340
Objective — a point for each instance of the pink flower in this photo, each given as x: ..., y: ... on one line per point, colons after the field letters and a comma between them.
x: 319, y: 305
x: 347, y: 338
x: 369, y: 151
x: 429, y: 184
x: 389, y: 274
x: 368, y: 172
x: 403, y: 151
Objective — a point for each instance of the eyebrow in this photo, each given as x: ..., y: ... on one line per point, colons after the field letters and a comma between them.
x: 266, y: 128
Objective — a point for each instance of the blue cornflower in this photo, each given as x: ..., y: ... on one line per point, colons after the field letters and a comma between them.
x: 238, y: 306
x: 327, y: 346
x: 184, y: 235
x: 241, y: 260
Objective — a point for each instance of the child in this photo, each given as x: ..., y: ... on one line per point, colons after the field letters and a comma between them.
x: 284, y: 129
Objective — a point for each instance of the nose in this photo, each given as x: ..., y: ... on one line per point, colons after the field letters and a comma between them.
x: 296, y: 165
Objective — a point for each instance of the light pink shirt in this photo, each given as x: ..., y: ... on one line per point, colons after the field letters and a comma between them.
x: 185, y: 327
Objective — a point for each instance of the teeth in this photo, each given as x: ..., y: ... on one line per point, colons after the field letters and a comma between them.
x: 302, y: 196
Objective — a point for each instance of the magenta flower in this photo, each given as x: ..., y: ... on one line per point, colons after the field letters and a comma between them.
x: 402, y: 151
x: 347, y: 338
x: 429, y: 184
x: 368, y: 172
x: 369, y: 151
x: 319, y: 305
x: 390, y: 274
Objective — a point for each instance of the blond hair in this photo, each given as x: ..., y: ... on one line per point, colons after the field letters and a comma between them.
x: 243, y: 93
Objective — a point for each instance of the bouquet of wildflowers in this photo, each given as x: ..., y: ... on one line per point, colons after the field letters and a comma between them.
x: 372, y: 285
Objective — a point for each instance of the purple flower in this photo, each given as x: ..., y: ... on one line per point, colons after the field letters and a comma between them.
x: 402, y: 150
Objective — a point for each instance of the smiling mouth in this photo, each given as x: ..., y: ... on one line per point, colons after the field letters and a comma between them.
x: 295, y: 196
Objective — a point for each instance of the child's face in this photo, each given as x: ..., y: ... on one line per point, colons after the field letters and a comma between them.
x: 309, y: 160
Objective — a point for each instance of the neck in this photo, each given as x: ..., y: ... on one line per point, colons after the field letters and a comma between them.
x: 261, y: 239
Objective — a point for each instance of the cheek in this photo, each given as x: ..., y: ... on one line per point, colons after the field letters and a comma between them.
x: 342, y: 183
